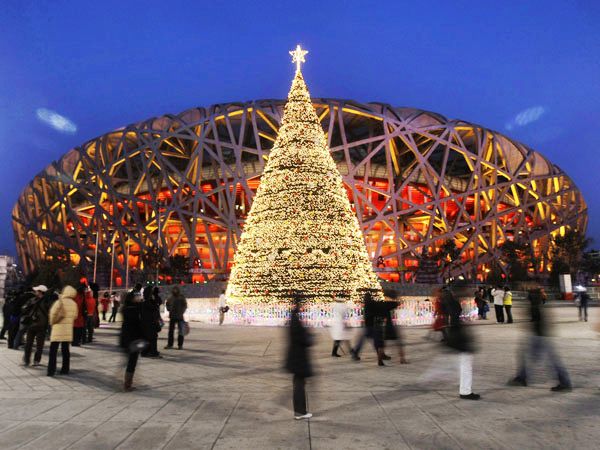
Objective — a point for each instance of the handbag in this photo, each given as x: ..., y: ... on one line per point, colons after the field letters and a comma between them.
x: 184, y: 328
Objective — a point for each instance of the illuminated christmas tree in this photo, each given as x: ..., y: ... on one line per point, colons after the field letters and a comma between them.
x: 301, y: 233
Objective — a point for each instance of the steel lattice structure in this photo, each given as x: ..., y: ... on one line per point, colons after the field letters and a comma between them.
x: 184, y: 183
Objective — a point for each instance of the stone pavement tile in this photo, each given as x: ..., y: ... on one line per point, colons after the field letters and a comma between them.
x: 107, y: 435
x: 6, y: 424
x: 263, y: 420
x: 416, y: 427
x: 141, y: 409
x: 577, y: 433
x: 104, y: 409
x: 22, y: 434
x: 515, y: 435
x: 67, y: 410
x: 204, y: 426
x: 351, y: 420
x: 28, y: 409
x: 151, y: 435
x: 178, y: 410
x: 60, y: 436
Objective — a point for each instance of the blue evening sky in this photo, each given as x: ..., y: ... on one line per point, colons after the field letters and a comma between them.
x: 528, y: 69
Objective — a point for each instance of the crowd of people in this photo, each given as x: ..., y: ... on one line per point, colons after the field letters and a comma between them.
x: 70, y: 317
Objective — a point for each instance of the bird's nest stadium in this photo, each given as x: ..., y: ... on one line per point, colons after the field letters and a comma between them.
x: 183, y: 184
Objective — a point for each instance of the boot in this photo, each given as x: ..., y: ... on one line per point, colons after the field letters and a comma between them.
x: 334, y: 352
x: 380, y: 357
x: 127, y: 385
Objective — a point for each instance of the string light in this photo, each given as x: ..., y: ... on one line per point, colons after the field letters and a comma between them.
x: 301, y: 233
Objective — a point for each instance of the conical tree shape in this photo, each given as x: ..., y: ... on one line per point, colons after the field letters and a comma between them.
x: 301, y: 233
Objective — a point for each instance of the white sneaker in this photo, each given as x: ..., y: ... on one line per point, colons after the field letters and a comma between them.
x: 304, y: 416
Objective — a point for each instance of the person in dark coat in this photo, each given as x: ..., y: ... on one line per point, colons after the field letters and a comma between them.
x: 539, y: 344
x: 298, y: 359
x: 370, y: 314
x: 114, y: 298
x: 132, y: 335
x: 391, y: 332
x: 36, y: 311
x: 176, y: 305
x: 459, y: 339
x: 17, y: 328
x: 150, y: 323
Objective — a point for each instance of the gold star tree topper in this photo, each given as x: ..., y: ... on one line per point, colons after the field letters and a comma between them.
x: 298, y: 56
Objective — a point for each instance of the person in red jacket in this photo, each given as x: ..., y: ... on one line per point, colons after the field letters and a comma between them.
x: 79, y: 323
x: 105, y: 304
x: 90, y: 316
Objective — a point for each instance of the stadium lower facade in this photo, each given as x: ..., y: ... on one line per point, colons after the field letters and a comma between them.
x: 183, y: 184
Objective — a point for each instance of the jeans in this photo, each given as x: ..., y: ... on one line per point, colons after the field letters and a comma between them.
x: 509, y: 318
x: 466, y: 373
x: 39, y: 334
x: 299, y: 395
x: 66, y: 358
x: 78, y: 335
x: 481, y: 312
x: 113, y: 315
x: 537, y: 346
x: 170, y: 338
x: 499, y: 313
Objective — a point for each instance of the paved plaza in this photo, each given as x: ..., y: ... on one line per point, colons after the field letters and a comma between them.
x: 226, y: 389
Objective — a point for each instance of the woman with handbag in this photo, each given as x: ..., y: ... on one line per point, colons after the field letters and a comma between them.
x: 339, y: 331
x: 62, y: 315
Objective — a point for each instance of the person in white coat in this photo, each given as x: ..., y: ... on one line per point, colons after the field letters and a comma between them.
x: 339, y: 331
x: 498, y: 296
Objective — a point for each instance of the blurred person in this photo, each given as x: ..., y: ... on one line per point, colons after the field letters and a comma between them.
x: 79, y: 323
x: 440, y: 320
x: 583, y: 300
x: 176, y: 305
x: 391, y: 331
x: 96, y: 295
x: 150, y: 316
x: 298, y: 358
x: 481, y: 303
x: 507, y: 302
x: 90, y: 314
x: 539, y: 345
x: 340, y: 333
x: 369, y: 314
x: 18, y: 318
x: 132, y: 335
x: 36, y: 315
x: 223, y: 308
x: 114, y: 299
x: 459, y: 339
x: 105, y: 304
x: 6, y: 314
x: 498, y: 296
x: 62, y: 317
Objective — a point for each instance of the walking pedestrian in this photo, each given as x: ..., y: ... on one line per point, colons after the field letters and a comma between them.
x: 132, y: 336
x: 15, y: 338
x: 223, y: 308
x: 340, y: 333
x: 298, y: 359
x: 6, y: 307
x: 507, y: 301
x: 114, y: 299
x: 176, y: 305
x: 498, y: 296
x: 79, y: 323
x: 150, y: 315
x: 36, y: 316
x: 539, y: 345
x: 392, y: 332
x: 62, y: 317
x: 583, y: 300
x: 90, y: 313
x: 104, y: 304
x: 460, y: 340
x: 369, y: 314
